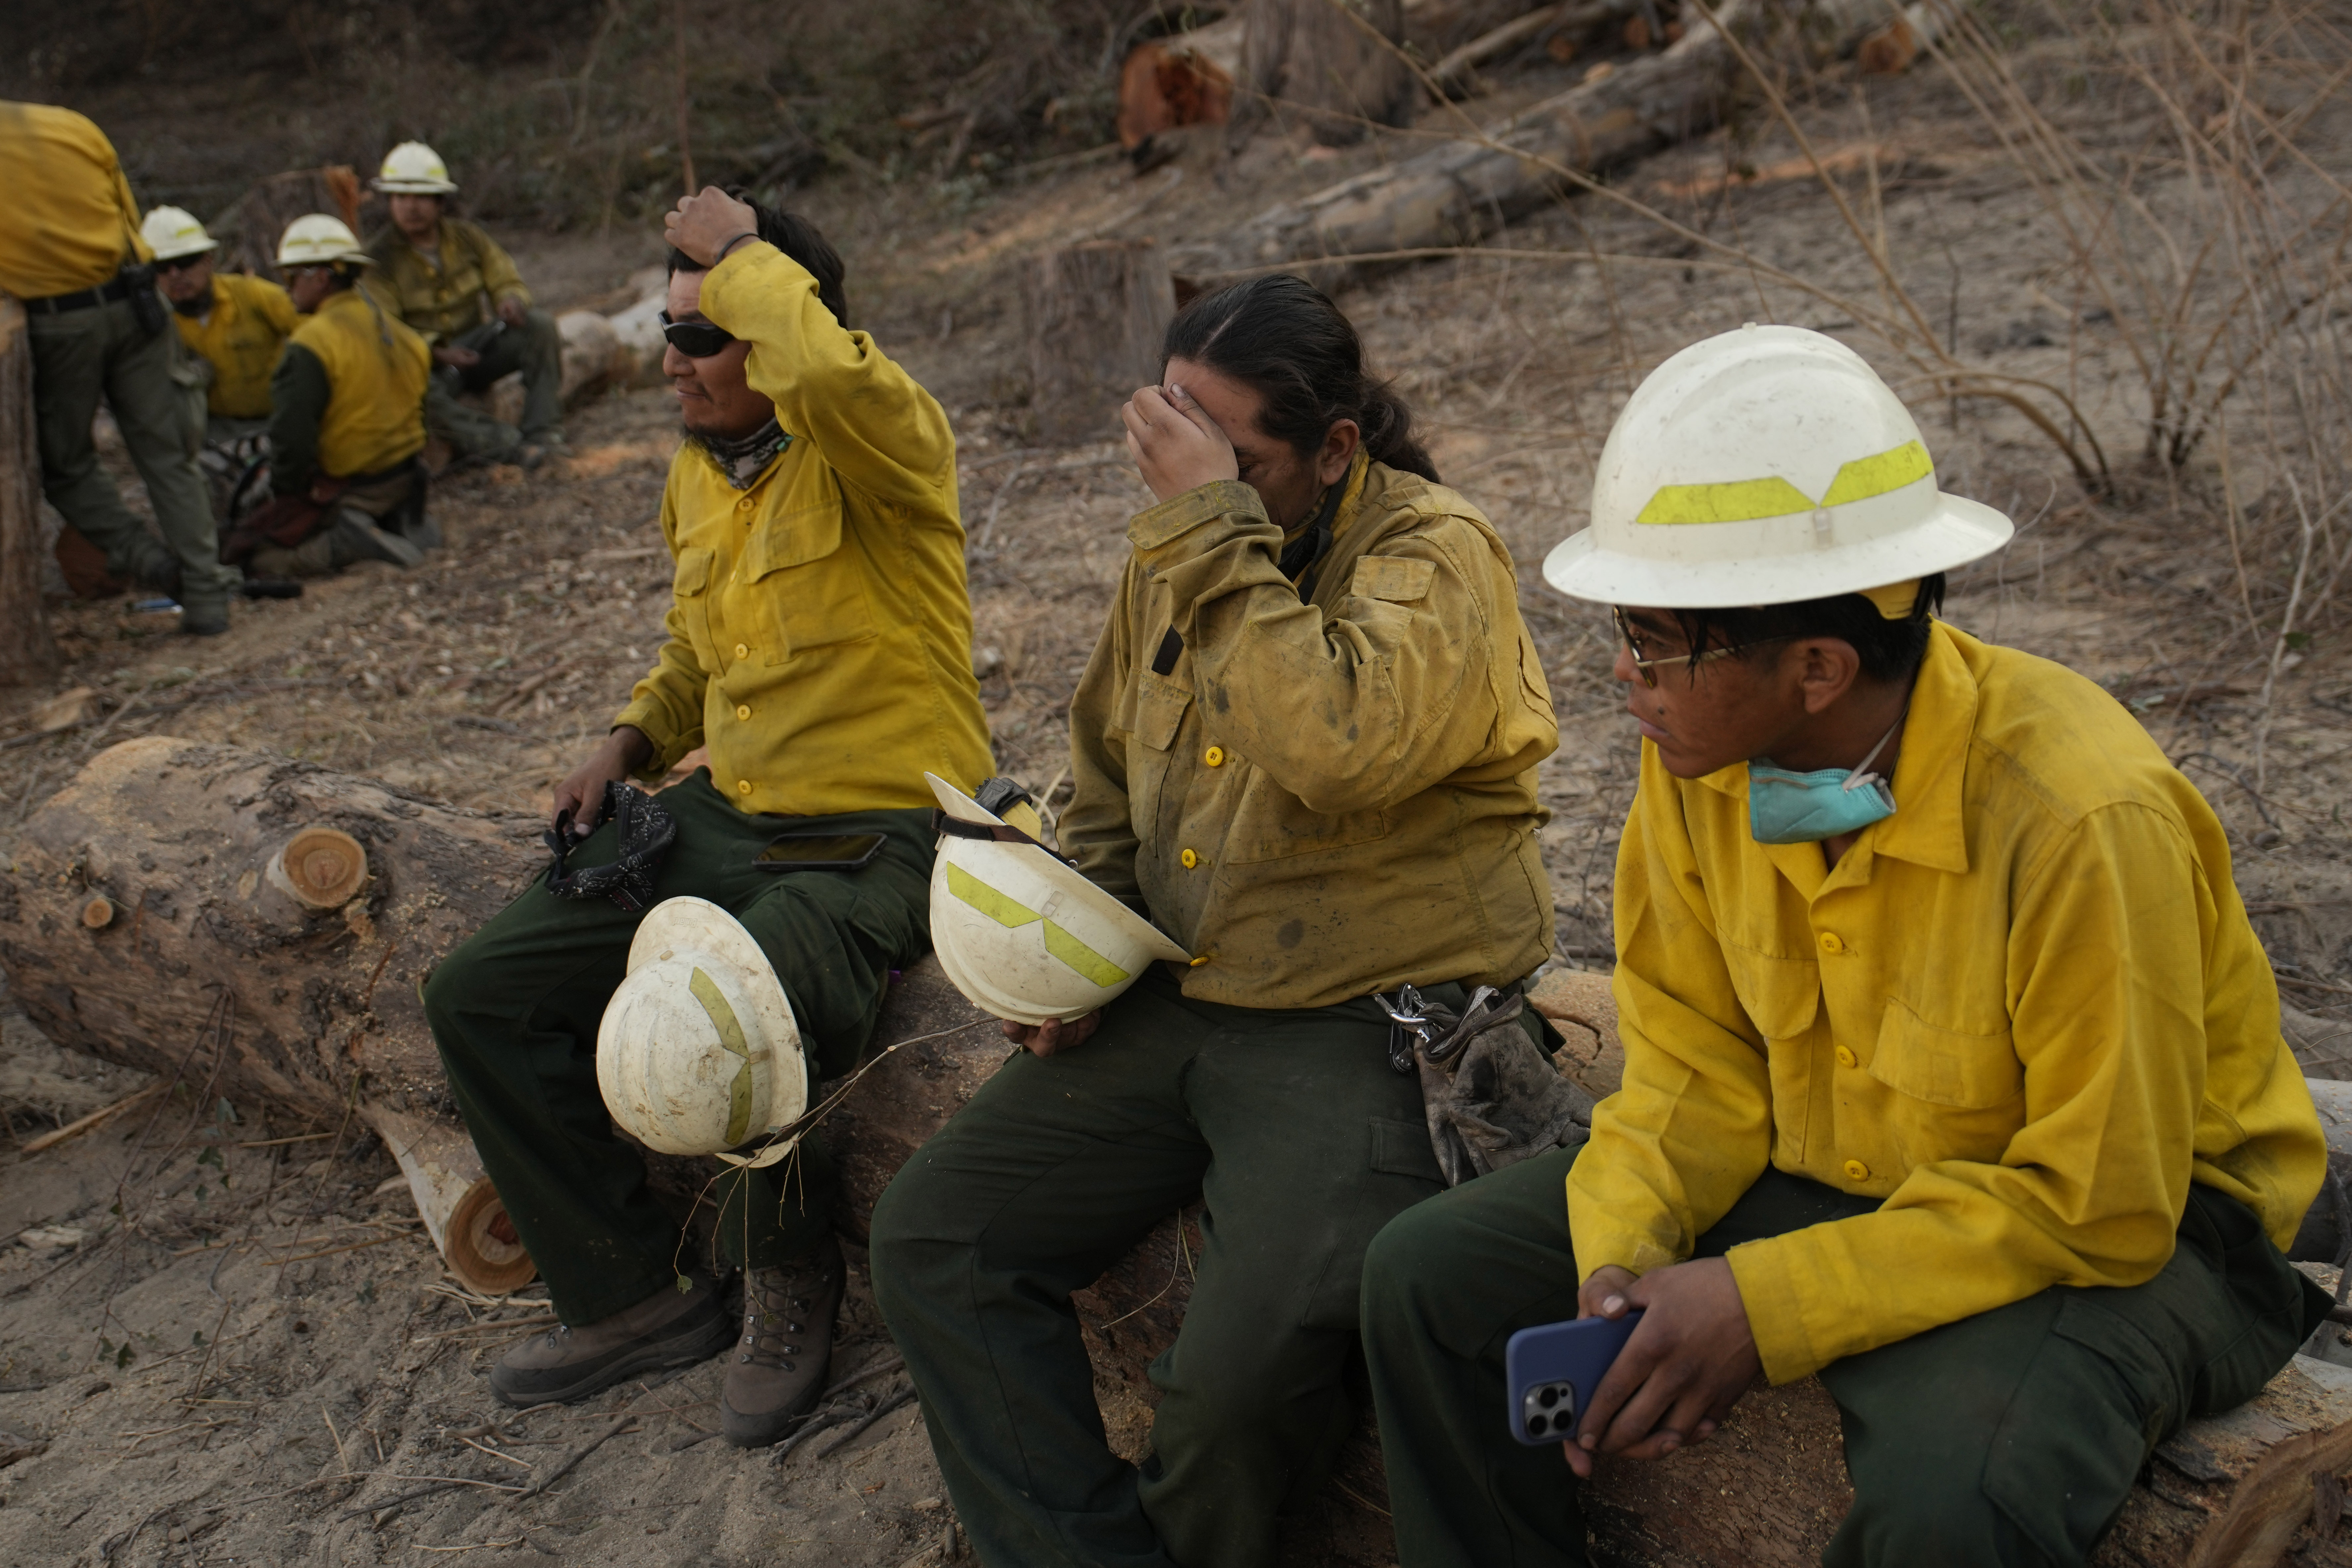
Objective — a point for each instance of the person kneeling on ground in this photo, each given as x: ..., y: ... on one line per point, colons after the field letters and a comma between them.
x: 346, y: 424
x: 819, y: 645
x: 458, y: 287
x: 1953, y: 1068
x: 1306, y: 747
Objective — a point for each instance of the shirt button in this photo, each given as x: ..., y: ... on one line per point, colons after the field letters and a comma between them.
x: 742, y: 786
x: 1214, y: 756
x: 742, y: 710
x: 1190, y: 859
x: 743, y: 652
x: 1846, y: 1059
x: 1855, y: 1171
x: 1831, y: 943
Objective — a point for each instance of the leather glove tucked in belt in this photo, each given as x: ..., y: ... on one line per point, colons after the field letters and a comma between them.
x: 1491, y: 1097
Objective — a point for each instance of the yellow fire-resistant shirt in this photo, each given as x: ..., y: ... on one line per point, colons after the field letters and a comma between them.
x: 1321, y: 799
x: 820, y: 636
x: 452, y: 295
x: 241, y: 336
x: 70, y: 219
x: 376, y: 373
x: 2027, y: 1011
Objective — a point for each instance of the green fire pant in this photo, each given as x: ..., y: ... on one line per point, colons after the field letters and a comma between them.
x: 78, y: 357
x: 2005, y: 1440
x: 515, y: 1011
x: 535, y: 348
x: 1304, y: 1142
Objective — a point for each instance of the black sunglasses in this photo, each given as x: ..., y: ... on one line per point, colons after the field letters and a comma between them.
x: 695, y: 340
x: 181, y: 263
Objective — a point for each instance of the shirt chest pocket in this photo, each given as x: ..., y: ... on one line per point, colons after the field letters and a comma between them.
x: 691, y: 592
x: 804, y: 589
x: 1157, y: 719
x: 1955, y: 1096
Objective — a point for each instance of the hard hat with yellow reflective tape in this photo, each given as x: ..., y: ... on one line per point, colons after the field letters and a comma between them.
x: 1021, y: 933
x: 317, y: 239
x: 699, y: 1051
x: 173, y: 231
x: 414, y: 169
x: 1764, y: 467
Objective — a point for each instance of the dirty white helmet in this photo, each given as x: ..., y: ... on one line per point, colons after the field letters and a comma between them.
x: 172, y: 231
x: 1021, y: 933
x: 315, y: 239
x: 699, y: 1050
x: 1764, y: 467
x: 414, y: 169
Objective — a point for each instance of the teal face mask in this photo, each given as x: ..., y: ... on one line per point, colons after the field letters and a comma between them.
x: 1805, y: 808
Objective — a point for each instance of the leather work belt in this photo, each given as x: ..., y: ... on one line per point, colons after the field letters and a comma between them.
x: 106, y: 293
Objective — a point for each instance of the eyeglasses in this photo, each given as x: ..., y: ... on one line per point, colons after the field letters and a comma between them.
x: 1647, y: 667
x: 695, y: 340
x: 181, y: 263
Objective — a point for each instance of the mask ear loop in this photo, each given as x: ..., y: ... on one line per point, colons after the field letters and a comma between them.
x: 1861, y: 776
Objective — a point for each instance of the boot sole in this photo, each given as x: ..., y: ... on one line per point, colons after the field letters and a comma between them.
x: 685, y: 1350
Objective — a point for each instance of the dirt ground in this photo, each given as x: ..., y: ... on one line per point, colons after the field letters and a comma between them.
x: 223, y: 1339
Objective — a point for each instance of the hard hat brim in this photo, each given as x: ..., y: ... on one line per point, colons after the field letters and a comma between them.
x: 699, y: 923
x: 174, y: 252
x: 1957, y: 531
x: 414, y: 187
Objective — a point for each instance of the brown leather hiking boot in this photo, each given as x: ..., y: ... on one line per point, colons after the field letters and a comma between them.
x: 668, y: 1328
x: 779, y: 1362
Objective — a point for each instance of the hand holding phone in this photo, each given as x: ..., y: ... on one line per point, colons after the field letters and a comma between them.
x: 1550, y: 1373
x: 1673, y: 1381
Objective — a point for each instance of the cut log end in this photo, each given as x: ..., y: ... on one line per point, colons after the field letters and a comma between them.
x: 483, y: 1249
x: 99, y: 913
x: 320, y: 868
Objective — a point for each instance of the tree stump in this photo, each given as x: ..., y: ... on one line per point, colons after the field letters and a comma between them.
x: 27, y: 652
x: 1185, y: 78
x: 1332, y: 64
x: 1097, y: 313
x: 262, y: 214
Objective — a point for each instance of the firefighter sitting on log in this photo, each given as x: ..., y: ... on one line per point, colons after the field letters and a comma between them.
x: 820, y: 647
x: 1953, y: 1068
x: 1304, y: 747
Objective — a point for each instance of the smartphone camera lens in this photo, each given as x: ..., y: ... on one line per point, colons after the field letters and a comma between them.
x: 1536, y: 1425
x: 1547, y: 1398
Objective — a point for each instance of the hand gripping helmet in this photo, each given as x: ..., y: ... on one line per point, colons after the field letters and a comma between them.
x: 315, y: 239
x: 172, y: 231
x: 699, y: 1050
x: 1765, y: 466
x: 414, y: 169
x: 1021, y: 933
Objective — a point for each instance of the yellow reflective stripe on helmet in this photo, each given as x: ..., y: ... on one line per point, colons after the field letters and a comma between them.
x: 730, y: 1036
x: 1867, y: 477
x: 1744, y: 500
x: 1004, y: 910
x: 1739, y: 500
x: 1082, y: 957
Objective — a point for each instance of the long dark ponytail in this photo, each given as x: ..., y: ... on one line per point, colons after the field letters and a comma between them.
x: 1285, y: 339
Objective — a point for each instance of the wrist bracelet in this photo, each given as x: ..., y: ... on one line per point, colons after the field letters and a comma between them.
x: 727, y: 249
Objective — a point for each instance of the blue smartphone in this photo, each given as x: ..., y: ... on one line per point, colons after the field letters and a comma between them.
x: 1550, y: 1371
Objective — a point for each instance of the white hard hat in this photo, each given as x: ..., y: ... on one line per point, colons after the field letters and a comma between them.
x: 1021, y: 933
x: 415, y: 169
x: 699, y: 1050
x: 171, y: 231
x: 1764, y: 467
x: 315, y: 238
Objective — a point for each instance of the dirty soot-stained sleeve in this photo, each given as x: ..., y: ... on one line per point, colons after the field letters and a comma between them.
x: 1096, y: 829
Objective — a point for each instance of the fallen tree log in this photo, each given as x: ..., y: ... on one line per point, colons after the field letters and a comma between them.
x: 1461, y: 192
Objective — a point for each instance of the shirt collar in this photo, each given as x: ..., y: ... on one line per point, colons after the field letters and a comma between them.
x: 1928, y: 828
x: 1351, y: 499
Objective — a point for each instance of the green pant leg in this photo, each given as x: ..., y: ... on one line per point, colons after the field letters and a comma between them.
x: 69, y: 376
x: 151, y: 409
x: 834, y: 938
x: 1315, y: 1144
x: 535, y: 348
x: 471, y: 432
x: 1043, y: 1181
x: 2014, y: 1436
x: 1446, y: 1285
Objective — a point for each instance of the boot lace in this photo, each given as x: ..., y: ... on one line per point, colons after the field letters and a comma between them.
x: 775, y: 1309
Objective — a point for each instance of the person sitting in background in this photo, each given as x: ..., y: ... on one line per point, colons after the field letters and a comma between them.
x: 346, y: 423
x: 454, y: 285
x: 70, y: 249
x: 237, y: 325
x: 1952, y: 1064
